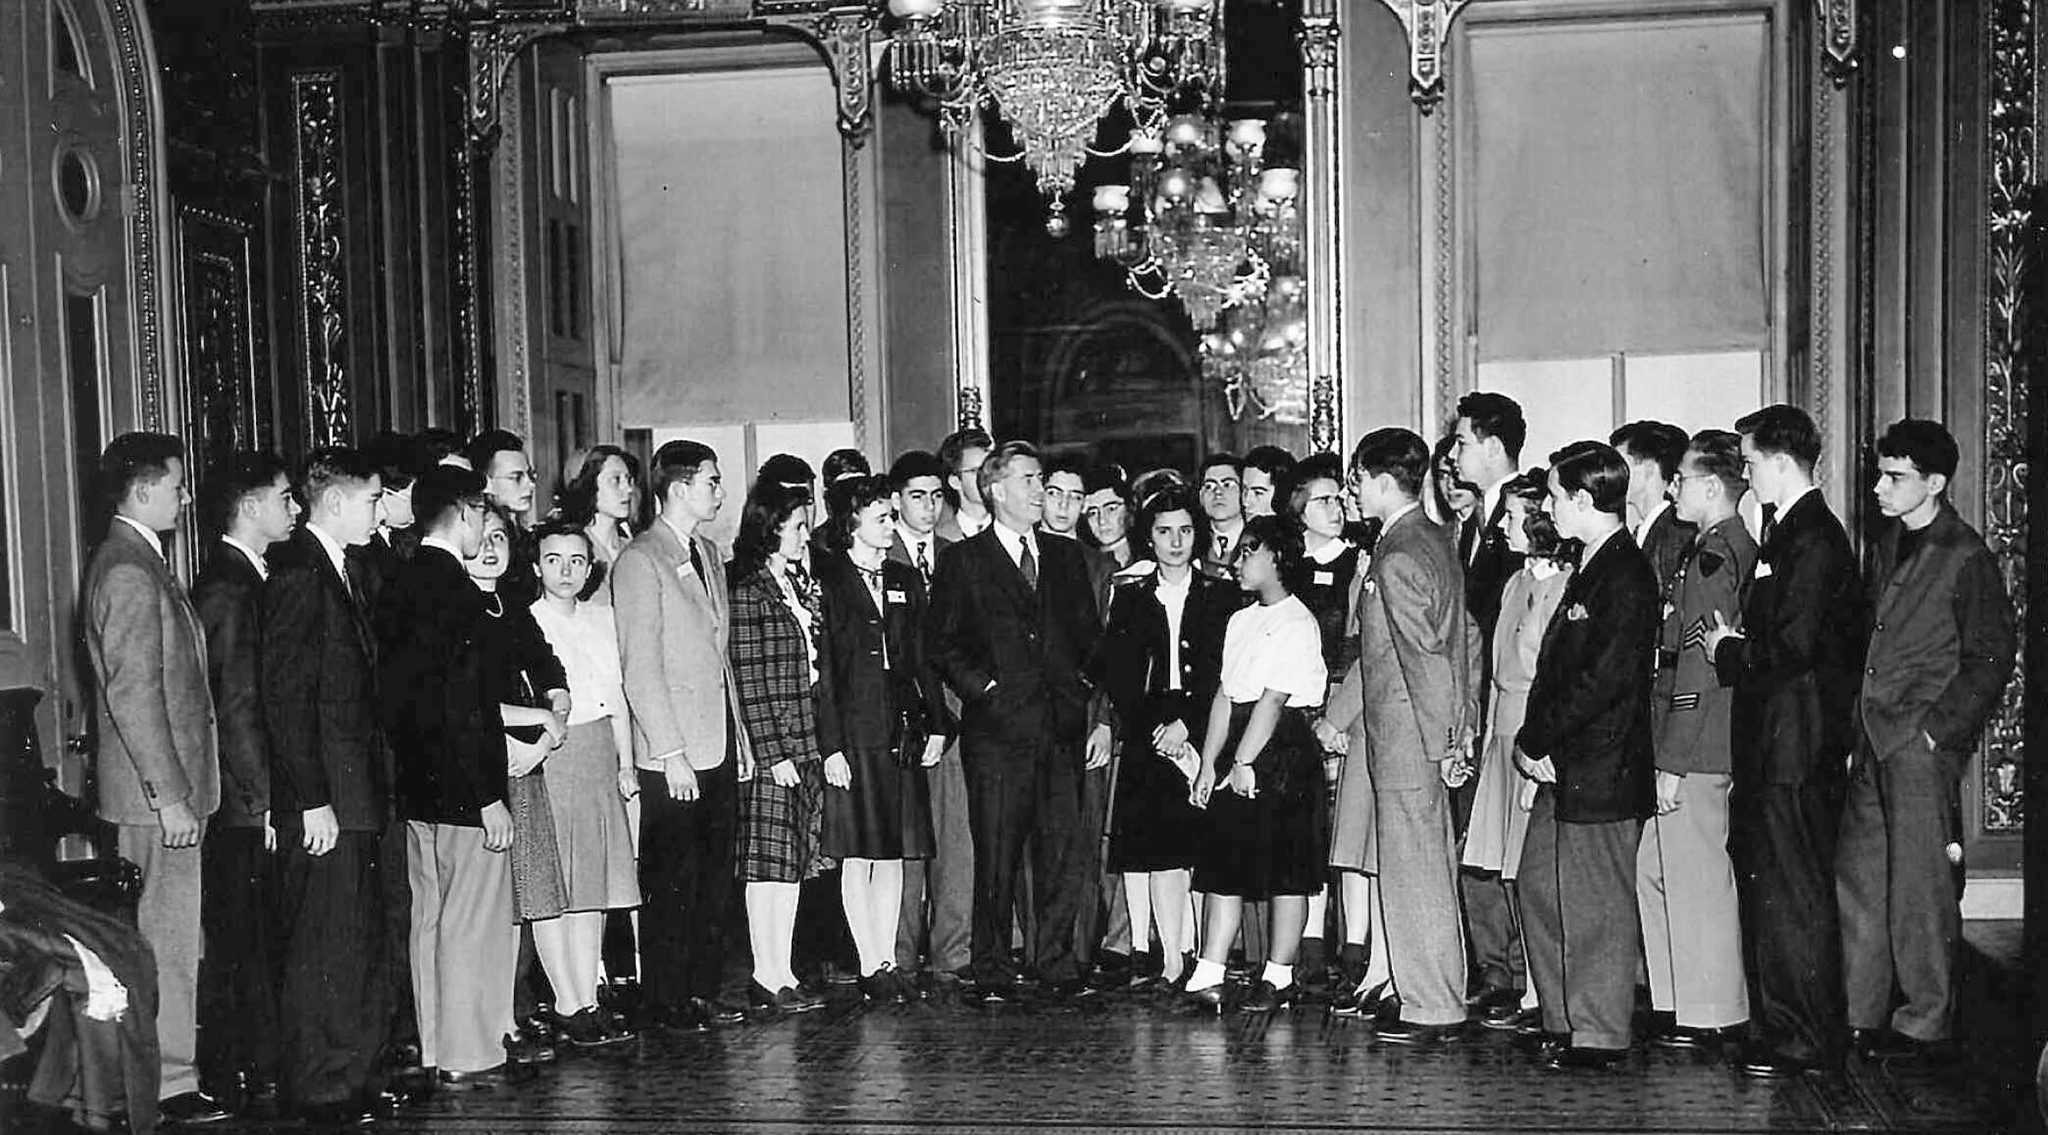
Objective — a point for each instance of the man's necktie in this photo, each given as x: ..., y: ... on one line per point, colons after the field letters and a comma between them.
x: 1029, y: 566
x: 924, y: 565
x: 1468, y: 538
x: 1770, y: 523
x: 697, y: 565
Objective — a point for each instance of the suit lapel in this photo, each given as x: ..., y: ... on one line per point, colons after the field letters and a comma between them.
x: 1008, y: 576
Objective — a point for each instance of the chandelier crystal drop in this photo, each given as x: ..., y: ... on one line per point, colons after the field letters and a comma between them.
x: 1052, y: 69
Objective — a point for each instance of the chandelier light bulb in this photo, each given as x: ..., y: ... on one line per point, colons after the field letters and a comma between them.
x: 1279, y: 184
x: 1112, y: 200
x: 1175, y: 184
x: 1188, y: 7
x: 1248, y: 134
x: 915, y: 9
x: 1146, y: 143
x: 1186, y: 131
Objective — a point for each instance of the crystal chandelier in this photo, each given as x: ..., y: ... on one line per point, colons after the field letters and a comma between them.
x: 1211, y: 217
x: 1053, y: 68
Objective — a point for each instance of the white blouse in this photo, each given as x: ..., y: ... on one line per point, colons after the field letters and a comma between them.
x: 587, y: 642
x: 1275, y: 648
x: 1174, y: 598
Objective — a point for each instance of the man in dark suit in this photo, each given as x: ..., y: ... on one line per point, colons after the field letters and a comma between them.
x: 1490, y: 433
x: 1941, y: 649
x: 945, y: 882
x: 1011, y: 628
x: 1653, y: 450
x: 1586, y: 742
x: 962, y: 454
x: 448, y: 740
x: 1795, y: 664
x: 1220, y: 483
x: 1414, y: 684
x: 330, y: 782
x: 249, y: 504
x: 158, y: 766
x: 1685, y: 882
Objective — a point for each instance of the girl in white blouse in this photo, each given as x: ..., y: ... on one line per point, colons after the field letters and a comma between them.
x: 1261, y: 776
x: 588, y: 781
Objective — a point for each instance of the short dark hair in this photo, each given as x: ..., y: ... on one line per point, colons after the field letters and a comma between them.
x: 676, y: 462
x: 1648, y: 440
x: 785, y: 469
x: 135, y: 459
x: 914, y: 464
x: 1108, y: 475
x: 490, y: 444
x: 1532, y: 488
x: 1323, y: 466
x: 398, y: 458
x: 1156, y: 481
x: 1280, y: 537
x: 1235, y: 462
x: 999, y: 459
x: 1599, y: 469
x: 1718, y: 453
x: 1393, y: 450
x: 577, y: 500
x: 959, y: 442
x: 842, y: 463
x: 1173, y: 498
x: 560, y: 525
x: 1068, y: 463
x: 1496, y: 415
x: 1271, y: 460
x: 1782, y: 429
x: 441, y: 490
x: 1927, y: 444
x: 845, y: 500
x: 331, y: 467
x: 768, y: 508
x: 235, y: 479
x: 438, y: 443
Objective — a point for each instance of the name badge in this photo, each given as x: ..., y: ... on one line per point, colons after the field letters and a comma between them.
x: 1763, y: 570
x: 1326, y: 579
x: 897, y: 596
x: 686, y: 571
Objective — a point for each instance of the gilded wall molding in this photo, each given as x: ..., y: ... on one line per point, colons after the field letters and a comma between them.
x: 1838, y: 39
x: 1821, y: 242
x: 508, y: 192
x: 2012, y: 168
x: 321, y: 243
x: 143, y: 152
x: 966, y: 205
x: 1428, y: 24
x: 1316, y: 35
x: 853, y: 163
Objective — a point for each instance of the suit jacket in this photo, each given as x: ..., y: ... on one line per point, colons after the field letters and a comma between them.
x: 1415, y: 684
x: 987, y: 625
x: 1797, y: 667
x: 1131, y: 658
x: 1219, y: 566
x: 948, y: 528
x: 1941, y: 644
x: 673, y: 629
x: 1667, y: 541
x: 771, y: 662
x: 1690, y: 712
x: 229, y: 596
x: 1487, y: 572
x: 320, y: 691
x: 899, y: 552
x: 859, y: 702
x: 1100, y: 568
x: 155, y: 713
x: 1589, y: 707
x: 439, y: 710
x: 375, y: 564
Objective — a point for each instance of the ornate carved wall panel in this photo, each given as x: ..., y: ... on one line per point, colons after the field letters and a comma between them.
x: 219, y: 336
x: 320, y: 225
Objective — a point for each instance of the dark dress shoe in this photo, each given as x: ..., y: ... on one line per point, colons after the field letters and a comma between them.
x: 1575, y: 1058
x: 588, y: 1028
x: 192, y: 1109
x: 884, y: 987
x: 1763, y: 1063
x: 1208, y: 1001
x: 1541, y: 1044
x: 526, y: 1046
x: 1072, y: 989
x: 1508, y: 1018
x: 504, y: 1075
x: 789, y: 999
x: 1411, y: 1035
x: 1266, y: 998
x: 1362, y: 1001
x: 1684, y: 1037
x: 1495, y: 997
x: 1898, y: 1048
x: 760, y: 997
x: 721, y: 1014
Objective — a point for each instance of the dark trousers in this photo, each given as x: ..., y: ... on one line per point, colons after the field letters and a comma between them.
x: 938, y: 893
x: 1493, y: 927
x: 238, y: 973
x: 1088, y: 912
x: 405, y: 1017
x: 686, y: 885
x: 1782, y: 838
x: 1900, y: 916
x: 1578, y: 884
x: 334, y: 1005
x: 1024, y: 791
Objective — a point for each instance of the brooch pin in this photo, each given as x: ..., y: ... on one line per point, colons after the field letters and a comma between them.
x: 1576, y: 613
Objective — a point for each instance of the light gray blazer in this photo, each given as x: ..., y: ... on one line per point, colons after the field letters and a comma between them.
x: 156, y: 739
x: 673, y: 629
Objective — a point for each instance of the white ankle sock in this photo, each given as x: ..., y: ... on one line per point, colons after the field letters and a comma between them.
x: 1278, y: 976
x: 1207, y: 974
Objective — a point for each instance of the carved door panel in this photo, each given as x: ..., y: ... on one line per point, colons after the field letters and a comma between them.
x: 79, y: 340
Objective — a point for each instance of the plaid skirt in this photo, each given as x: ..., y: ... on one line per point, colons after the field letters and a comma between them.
x: 781, y: 829
x: 537, y: 888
